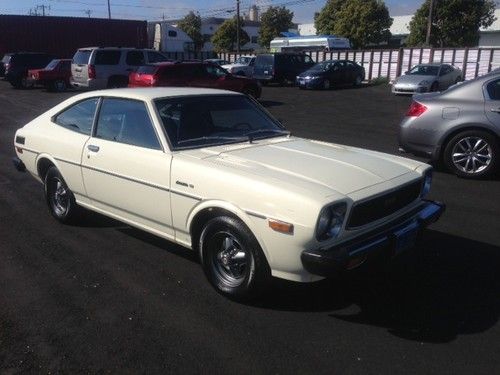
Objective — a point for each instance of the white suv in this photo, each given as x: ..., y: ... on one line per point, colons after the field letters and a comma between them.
x: 105, y: 67
x: 242, y: 66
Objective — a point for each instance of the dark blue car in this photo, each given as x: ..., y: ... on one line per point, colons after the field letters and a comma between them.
x: 327, y: 74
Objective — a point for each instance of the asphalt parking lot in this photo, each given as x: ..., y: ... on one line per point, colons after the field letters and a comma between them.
x: 102, y: 296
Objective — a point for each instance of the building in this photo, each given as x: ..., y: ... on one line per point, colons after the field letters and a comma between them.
x: 210, y: 25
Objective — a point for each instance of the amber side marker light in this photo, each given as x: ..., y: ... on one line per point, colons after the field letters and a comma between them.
x: 280, y: 226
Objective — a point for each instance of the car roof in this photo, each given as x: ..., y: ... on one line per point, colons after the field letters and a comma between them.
x: 431, y: 64
x: 151, y: 93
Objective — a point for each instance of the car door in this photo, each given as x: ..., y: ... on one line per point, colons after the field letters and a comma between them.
x: 445, y: 77
x: 73, y: 127
x: 209, y: 75
x: 125, y: 169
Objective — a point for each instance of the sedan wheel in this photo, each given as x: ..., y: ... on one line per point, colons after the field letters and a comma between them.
x: 326, y: 84
x: 232, y: 258
x: 472, y: 154
x: 59, y: 85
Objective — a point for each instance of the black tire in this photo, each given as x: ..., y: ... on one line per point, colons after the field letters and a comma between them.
x: 357, y: 81
x: 58, y: 86
x: 60, y: 198
x: 475, y: 162
x: 232, y: 259
x: 117, y: 82
x: 435, y: 87
x: 326, y: 84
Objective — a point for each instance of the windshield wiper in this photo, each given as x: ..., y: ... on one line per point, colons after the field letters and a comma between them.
x: 251, y: 135
x: 210, y: 138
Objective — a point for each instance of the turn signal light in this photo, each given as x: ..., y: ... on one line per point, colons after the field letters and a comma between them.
x: 416, y: 109
x: 280, y: 226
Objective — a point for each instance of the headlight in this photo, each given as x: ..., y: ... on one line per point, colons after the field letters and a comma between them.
x: 424, y: 83
x: 330, y: 221
x: 426, y: 186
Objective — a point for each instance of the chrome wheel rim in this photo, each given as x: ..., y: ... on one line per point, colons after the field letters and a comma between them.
x: 60, y: 197
x: 229, y: 259
x: 471, y: 155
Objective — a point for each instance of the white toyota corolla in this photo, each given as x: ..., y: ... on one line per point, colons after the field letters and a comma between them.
x: 213, y: 171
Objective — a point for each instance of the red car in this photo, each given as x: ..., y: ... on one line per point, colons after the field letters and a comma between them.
x: 54, y: 76
x: 192, y: 74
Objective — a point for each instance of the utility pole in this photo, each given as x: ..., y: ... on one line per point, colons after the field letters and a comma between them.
x: 429, y: 24
x: 238, y: 27
x: 109, y: 10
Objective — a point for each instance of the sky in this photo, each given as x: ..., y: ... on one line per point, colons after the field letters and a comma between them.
x: 173, y: 9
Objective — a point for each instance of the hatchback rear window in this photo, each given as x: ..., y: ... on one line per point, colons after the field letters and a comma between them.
x: 107, y: 57
x: 81, y: 57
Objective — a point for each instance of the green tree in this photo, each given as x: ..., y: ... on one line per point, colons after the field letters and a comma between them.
x: 455, y: 23
x: 362, y: 21
x: 224, y: 39
x: 191, y: 25
x: 273, y: 21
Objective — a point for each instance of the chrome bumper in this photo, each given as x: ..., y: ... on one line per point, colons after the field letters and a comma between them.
x: 394, y: 237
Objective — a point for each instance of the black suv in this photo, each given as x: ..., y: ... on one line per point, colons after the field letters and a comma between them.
x: 17, y: 66
x: 280, y: 67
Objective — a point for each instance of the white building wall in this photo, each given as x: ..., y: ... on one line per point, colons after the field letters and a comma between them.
x: 307, y: 29
x: 211, y: 28
x: 490, y: 39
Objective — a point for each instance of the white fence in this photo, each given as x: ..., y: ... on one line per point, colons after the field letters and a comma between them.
x: 392, y: 63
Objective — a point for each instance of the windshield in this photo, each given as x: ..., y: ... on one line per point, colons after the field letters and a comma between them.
x: 243, y: 60
x: 200, y: 121
x: 52, y: 65
x: 424, y: 70
x: 323, y: 66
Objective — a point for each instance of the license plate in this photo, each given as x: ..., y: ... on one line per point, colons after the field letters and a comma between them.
x: 406, y: 237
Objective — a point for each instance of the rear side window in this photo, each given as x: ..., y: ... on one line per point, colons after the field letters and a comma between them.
x: 79, y: 117
x: 107, y: 57
x: 493, y: 89
x: 154, y: 57
x: 265, y: 60
x: 81, y: 57
x: 126, y: 121
x: 135, y: 58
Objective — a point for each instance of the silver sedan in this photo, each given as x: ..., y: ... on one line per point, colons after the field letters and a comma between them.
x: 426, y: 78
x: 459, y: 127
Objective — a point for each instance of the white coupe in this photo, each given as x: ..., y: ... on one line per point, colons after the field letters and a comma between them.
x: 213, y: 171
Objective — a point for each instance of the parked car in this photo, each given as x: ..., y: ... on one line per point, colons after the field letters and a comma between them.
x: 55, y: 76
x: 459, y: 127
x: 427, y: 78
x: 212, y: 171
x: 106, y: 67
x: 219, y: 62
x: 280, y: 67
x: 328, y: 73
x: 5, y: 60
x: 192, y: 74
x: 17, y: 66
x: 242, y: 66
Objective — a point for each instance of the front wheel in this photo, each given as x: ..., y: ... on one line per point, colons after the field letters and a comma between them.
x: 59, y: 85
x: 60, y: 199
x: 232, y: 258
x: 472, y: 154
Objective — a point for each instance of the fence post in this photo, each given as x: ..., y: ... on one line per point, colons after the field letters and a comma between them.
x: 399, y: 67
x: 381, y: 54
x: 464, y: 65
x: 410, y: 59
x: 491, y: 59
x: 420, y: 57
x: 370, y: 67
x: 431, y: 56
x: 453, y: 56
x: 476, y: 73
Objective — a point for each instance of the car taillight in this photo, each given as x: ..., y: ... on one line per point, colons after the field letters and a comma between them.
x: 91, y: 71
x: 416, y: 109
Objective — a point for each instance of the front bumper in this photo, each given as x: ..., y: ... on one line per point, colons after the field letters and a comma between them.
x: 394, y: 237
x: 408, y: 89
x: 309, y: 83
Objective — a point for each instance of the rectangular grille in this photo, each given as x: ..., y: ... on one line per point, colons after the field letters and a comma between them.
x: 383, y: 205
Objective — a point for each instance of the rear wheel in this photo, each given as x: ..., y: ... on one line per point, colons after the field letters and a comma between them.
x: 232, y: 258
x: 472, y: 154
x: 59, y: 85
x: 60, y: 199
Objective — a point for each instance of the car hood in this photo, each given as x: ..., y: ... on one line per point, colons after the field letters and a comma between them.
x: 302, y: 162
x: 414, y: 79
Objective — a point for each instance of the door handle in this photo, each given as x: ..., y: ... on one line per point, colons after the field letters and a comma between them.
x: 497, y: 110
x: 93, y: 148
